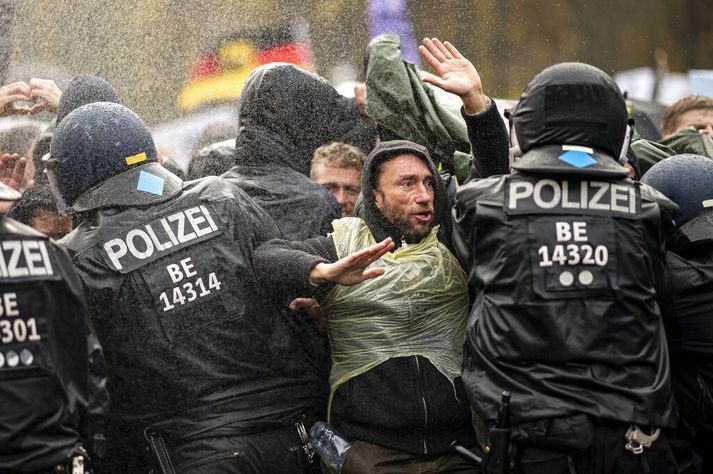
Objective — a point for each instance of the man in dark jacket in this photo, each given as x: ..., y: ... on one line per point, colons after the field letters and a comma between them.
x: 286, y: 113
x: 688, y: 181
x: 52, y: 384
x: 198, y: 357
x: 564, y: 257
x: 396, y: 340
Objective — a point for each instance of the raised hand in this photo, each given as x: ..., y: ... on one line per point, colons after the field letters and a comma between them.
x: 351, y: 269
x: 12, y: 170
x: 12, y: 93
x: 46, y: 90
x: 454, y: 74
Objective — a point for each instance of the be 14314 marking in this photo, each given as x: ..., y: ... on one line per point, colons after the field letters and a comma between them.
x: 188, y: 291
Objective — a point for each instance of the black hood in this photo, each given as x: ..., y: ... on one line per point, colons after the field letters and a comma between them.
x: 84, y: 90
x: 379, y: 226
x: 286, y: 112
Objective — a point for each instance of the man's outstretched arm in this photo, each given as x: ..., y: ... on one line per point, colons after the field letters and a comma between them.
x: 310, y: 268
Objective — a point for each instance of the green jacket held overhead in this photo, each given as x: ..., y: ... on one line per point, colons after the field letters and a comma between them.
x: 401, y: 102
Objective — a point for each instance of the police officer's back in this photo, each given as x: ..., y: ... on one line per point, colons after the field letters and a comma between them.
x: 52, y: 396
x: 563, y: 257
x: 194, y: 351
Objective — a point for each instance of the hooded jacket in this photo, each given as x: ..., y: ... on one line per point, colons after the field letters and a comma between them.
x: 285, y: 114
x: 404, y: 403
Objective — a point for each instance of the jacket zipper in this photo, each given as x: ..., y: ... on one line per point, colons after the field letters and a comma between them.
x: 425, y: 408
x: 211, y: 459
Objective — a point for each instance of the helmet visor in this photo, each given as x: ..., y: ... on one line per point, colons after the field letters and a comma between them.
x: 50, y: 169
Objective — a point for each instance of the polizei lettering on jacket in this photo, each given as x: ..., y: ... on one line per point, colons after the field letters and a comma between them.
x: 618, y: 198
x: 148, y: 242
x: 25, y: 259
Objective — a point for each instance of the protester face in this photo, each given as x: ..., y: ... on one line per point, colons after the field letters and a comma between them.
x: 343, y: 183
x: 404, y: 195
x: 52, y: 224
x: 700, y: 119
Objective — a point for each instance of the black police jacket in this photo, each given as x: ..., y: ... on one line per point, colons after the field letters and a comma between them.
x: 564, y: 270
x: 690, y: 288
x: 52, y: 388
x: 193, y: 346
x: 687, y: 315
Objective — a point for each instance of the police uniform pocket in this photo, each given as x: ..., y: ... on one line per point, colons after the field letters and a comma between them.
x: 189, y: 289
x: 572, y: 256
x: 25, y: 345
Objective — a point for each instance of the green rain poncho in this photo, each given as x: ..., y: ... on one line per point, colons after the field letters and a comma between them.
x: 688, y: 140
x: 418, y: 307
x: 401, y: 102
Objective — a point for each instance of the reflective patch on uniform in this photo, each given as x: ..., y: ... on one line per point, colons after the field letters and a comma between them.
x: 164, y: 235
x: 573, y: 256
x: 150, y: 183
x: 24, y: 339
x: 138, y: 158
x: 578, y: 159
x: 528, y: 195
x: 584, y: 149
x: 25, y: 260
x: 707, y: 203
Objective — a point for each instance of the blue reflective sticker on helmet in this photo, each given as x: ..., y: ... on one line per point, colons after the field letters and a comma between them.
x: 150, y: 183
x: 578, y: 159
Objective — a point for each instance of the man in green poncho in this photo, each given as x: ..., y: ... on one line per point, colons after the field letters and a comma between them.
x: 687, y: 128
x: 396, y: 339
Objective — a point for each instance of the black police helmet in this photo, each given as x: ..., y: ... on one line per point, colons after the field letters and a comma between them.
x: 574, y: 104
x: 94, y: 143
x: 687, y: 180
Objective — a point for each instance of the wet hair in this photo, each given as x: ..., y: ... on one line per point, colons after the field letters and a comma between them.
x: 33, y: 201
x: 692, y: 102
x: 174, y: 168
x: 212, y: 160
x: 340, y: 155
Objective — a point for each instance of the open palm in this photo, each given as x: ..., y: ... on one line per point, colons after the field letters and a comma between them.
x: 352, y: 269
x: 454, y: 73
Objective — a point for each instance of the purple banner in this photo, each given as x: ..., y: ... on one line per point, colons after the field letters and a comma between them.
x: 391, y: 16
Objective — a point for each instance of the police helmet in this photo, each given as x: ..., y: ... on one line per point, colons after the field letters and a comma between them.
x: 571, y: 118
x: 687, y: 180
x: 102, y: 154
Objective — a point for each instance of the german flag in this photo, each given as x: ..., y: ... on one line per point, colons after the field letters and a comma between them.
x: 219, y: 74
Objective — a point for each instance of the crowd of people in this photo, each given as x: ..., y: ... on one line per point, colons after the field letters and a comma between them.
x: 342, y: 287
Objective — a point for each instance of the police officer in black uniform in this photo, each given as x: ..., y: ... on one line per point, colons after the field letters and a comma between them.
x: 53, y: 400
x: 688, y: 181
x: 194, y: 349
x: 564, y: 256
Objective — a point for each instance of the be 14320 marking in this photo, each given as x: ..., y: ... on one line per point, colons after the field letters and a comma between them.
x: 564, y: 253
x: 190, y: 290
x: 574, y: 255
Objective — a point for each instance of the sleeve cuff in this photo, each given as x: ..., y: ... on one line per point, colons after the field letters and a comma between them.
x: 466, y: 115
